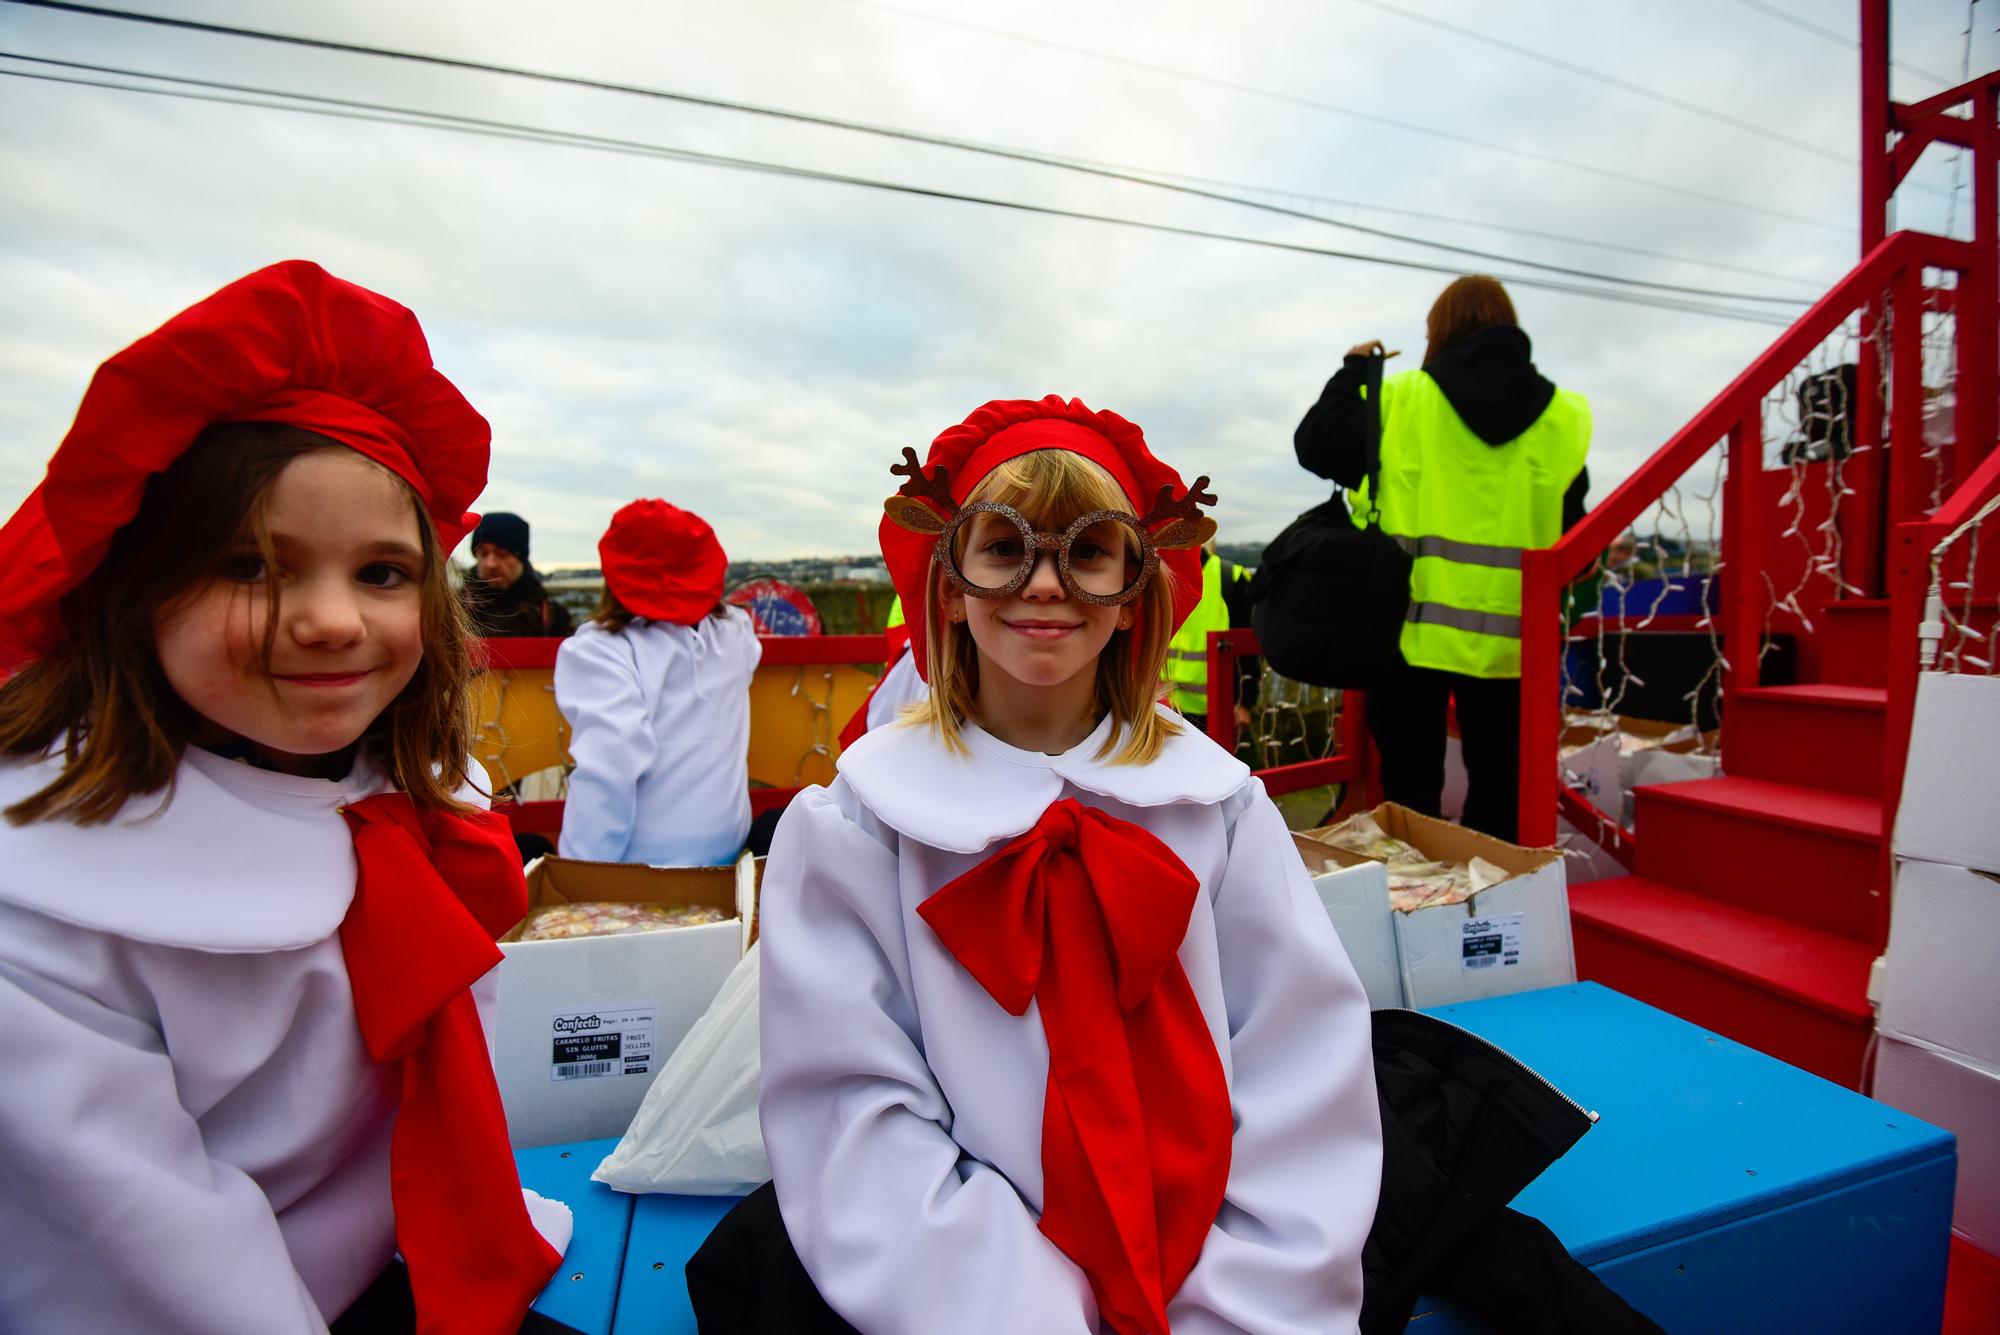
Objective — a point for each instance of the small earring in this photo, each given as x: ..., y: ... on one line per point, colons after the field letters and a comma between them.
x: 1124, y: 621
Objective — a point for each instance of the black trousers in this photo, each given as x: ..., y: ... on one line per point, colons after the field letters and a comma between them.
x: 1406, y: 715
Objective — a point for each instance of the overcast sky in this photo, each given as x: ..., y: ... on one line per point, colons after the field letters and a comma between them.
x: 758, y: 348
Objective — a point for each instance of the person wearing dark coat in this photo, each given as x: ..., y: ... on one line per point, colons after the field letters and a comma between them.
x: 503, y: 594
x: 1481, y: 459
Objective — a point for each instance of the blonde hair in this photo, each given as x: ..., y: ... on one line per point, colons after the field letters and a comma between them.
x: 1051, y: 488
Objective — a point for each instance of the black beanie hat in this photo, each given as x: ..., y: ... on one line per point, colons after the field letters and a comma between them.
x: 505, y: 531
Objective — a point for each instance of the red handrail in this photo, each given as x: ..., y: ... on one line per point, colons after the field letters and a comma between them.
x: 1896, y: 264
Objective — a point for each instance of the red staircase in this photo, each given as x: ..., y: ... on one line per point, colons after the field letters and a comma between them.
x: 1759, y: 900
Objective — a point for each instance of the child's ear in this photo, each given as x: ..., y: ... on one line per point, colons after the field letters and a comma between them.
x: 951, y: 604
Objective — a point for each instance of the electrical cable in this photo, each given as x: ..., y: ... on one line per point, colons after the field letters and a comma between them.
x: 1484, y: 224
x: 861, y: 127
x: 1678, y: 289
x: 1837, y: 38
x: 1450, y: 136
x: 1609, y: 80
x: 563, y: 138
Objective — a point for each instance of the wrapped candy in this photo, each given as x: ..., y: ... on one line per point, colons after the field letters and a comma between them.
x: 559, y: 922
x: 1416, y: 881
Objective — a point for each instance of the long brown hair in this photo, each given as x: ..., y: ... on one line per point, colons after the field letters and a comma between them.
x: 615, y: 616
x: 1051, y: 488
x: 1466, y: 306
x: 102, y: 694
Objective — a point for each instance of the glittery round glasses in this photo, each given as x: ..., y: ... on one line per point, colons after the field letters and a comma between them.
x: 1105, y: 557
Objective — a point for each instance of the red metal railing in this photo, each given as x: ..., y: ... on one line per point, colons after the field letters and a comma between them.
x: 1896, y: 265
x: 1347, y: 764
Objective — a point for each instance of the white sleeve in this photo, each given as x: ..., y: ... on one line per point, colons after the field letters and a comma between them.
x: 1284, y: 1255
x: 611, y: 739
x: 902, y: 1232
x: 116, y: 1219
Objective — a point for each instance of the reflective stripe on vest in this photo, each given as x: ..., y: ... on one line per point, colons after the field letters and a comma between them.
x: 1466, y: 511
x: 1465, y: 553
x: 1458, y: 618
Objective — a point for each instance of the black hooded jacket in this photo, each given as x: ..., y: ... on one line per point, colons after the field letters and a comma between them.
x: 522, y: 608
x: 1490, y: 381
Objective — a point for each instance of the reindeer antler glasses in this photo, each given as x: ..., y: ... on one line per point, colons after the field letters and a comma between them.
x: 1095, y: 555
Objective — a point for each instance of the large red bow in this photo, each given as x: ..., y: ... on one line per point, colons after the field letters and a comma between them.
x: 1085, y: 914
x: 434, y: 889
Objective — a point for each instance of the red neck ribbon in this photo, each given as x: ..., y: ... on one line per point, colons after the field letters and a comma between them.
x: 1085, y: 914
x: 435, y: 889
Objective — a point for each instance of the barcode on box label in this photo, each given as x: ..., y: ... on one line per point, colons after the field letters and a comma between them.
x: 577, y: 1070
x: 1490, y: 943
x: 589, y: 1042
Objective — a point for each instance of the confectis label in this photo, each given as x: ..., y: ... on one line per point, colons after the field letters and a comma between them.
x: 1490, y: 943
x: 592, y: 1041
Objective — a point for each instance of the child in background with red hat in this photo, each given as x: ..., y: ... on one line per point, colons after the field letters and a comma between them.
x: 247, y: 895
x: 1056, y: 1034
x: 656, y: 688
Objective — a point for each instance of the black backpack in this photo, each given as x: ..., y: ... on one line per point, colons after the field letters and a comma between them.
x: 1329, y: 598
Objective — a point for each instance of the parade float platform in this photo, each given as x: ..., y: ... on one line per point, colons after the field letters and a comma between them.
x: 1720, y: 1191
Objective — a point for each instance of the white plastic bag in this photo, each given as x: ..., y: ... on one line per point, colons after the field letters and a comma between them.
x: 696, y: 1133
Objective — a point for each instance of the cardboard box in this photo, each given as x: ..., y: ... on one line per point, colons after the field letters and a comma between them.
x: 1357, y: 900
x: 1964, y: 1099
x: 1939, y: 984
x: 584, y: 1024
x: 1510, y: 937
x: 1952, y: 772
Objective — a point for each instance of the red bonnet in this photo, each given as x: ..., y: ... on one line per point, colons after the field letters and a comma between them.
x: 662, y: 562
x: 1007, y: 428
x: 289, y: 343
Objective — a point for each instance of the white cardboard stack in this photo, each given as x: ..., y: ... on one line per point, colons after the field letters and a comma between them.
x: 1939, y: 1051
x: 1357, y: 899
x: 1510, y: 937
x: 584, y: 1024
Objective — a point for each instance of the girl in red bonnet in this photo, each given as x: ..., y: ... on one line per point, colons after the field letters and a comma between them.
x: 247, y: 895
x: 1057, y: 1037
x: 656, y: 688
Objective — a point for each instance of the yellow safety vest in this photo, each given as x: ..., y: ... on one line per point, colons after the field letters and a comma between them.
x: 1465, y: 511
x: 1187, y: 655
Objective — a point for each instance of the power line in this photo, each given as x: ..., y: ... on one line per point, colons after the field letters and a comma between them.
x: 562, y: 138
x: 1837, y: 38
x: 603, y: 85
x: 1330, y: 201
x: 1610, y: 81
x: 1331, y: 108
x: 1059, y: 163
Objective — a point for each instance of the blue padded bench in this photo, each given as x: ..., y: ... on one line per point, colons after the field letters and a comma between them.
x: 1721, y: 1191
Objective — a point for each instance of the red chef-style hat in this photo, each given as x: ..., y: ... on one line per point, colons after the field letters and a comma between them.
x: 289, y: 343
x: 1007, y: 428
x: 662, y: 562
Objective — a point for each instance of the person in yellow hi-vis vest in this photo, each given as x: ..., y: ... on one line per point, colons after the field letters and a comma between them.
x: 1225, y: 603
x: 1482, y: 458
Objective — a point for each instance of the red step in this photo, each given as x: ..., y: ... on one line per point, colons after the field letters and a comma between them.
x: 1854, y: 642
x: 1819, y: 736
x: 1806, y: 854
x: 1784, y: 988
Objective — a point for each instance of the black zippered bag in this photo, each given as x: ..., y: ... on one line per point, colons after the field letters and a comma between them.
x: 1329, y: 596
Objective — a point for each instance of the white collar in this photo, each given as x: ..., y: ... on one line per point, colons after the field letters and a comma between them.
x: 239, y: 860
x: 962, y: 803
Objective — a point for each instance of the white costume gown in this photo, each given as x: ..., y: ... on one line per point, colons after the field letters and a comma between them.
x: 659, y: 717
x: 902, y: 1107
x: 193, y: 1137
